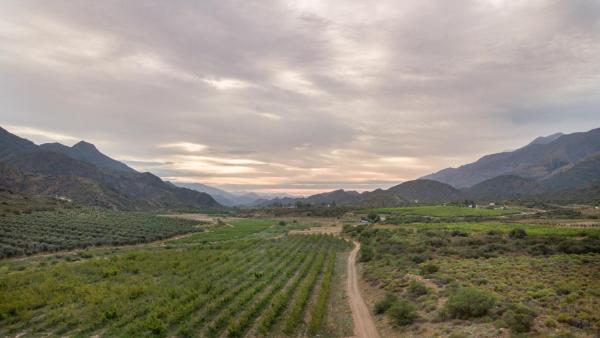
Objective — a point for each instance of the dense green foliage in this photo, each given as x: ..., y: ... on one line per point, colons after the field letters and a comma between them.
x: 529, y: 229
x: 237, y: 281
x: 402, y: 313
x: 466, y: 303
x: 320, y: 307
x: 445, y: 211
x: 383, y: 305
x: 519, y: 318
x: 26, y: 234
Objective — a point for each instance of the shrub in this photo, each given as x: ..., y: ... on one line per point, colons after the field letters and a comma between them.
x: 517, y: 233
x: 540, y: 250
x: 282, y: 223
x: 111, y: 313
x: 156, y: 326
x: 418, y: 258
x: 459, y: 233
x: 383, y: 305
x: 417, y: 289
x: 427, y: 269
x: 519, y: 318
x: 467, y: 303
x: 366, y: 253
x: 402, y: 313
x: 373, y: 217
x: 458, y: 335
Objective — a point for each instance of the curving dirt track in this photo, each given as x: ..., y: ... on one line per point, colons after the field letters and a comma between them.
x: 364, y: 326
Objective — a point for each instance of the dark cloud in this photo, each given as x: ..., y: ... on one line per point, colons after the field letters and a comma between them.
x: 289, y: 94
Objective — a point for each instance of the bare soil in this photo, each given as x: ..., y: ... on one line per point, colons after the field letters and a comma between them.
x: 364, y: 326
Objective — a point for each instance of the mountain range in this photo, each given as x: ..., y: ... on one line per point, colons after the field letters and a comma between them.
x: 417, y: 191
x: 231, y: 199
x: 556, y: 167
x: 542, y: 160
x: 83, y: 174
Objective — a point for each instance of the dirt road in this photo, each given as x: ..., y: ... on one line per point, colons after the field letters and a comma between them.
x: 364, y: 327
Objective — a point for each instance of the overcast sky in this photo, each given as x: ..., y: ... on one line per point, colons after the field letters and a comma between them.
x: 298, y: 96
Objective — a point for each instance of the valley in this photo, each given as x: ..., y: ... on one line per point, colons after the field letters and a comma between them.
x: 299, y: 169
x: 297, y: 275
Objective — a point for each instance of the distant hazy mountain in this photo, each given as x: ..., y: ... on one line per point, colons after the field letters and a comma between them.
x: 231, y: 199
x: 410, y: 192
x: 539, y: 160
x: 87, y: 176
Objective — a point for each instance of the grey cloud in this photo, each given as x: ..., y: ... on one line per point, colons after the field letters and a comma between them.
x: 293, y: 83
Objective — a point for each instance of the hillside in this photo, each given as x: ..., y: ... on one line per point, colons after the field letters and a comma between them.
x: 505, y: 187
x: 538, y: 160
x: 87, y: 152
x: 417, y: 191
x: 84, y: 175
x: 577, y: 176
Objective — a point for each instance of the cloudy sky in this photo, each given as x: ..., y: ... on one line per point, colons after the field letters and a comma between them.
x: 298, y: 96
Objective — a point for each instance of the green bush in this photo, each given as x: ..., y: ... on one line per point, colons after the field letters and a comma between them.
x: 428, y: 269
x: 418, y: 259
x: 517, y: 233
x: 402, y: 313
x: 540, y: 250
x: 467, y: 303
x: 383, y: 305
x: 366, y: 253
x: 417, y: 289
x: 519, y: 318
x: 459, y: 233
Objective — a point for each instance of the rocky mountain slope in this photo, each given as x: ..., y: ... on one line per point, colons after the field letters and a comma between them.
x: 539, y: 160
x: 85, y: 175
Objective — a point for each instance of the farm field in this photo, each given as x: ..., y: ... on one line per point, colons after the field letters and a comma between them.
x: 481, y: 279
x: 444, y: 211
x: 531, y: 229
x: 245, y: 278
x: 29, y: 233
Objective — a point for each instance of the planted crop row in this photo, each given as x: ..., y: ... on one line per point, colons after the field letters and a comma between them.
x: 238, y: 327
x: 221, y: 288
x: 231, y: 292
x: 204, y: 288
x: 27, y: 234
x: 283, y: 299
x: 295, y: 315
x: 214, y: 288
x: 290, y: 264
x: 320, y: 307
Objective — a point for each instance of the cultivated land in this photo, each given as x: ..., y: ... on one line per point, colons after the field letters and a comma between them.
x: 431, y: 271
x: 243, y: 278
x: 29, y: 233
x: 445, y: 211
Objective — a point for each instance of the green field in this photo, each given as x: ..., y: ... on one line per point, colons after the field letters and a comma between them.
x: 444, y: 211
x: 531, y: 229
x: 29, y: 233
x: 243, y: 279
